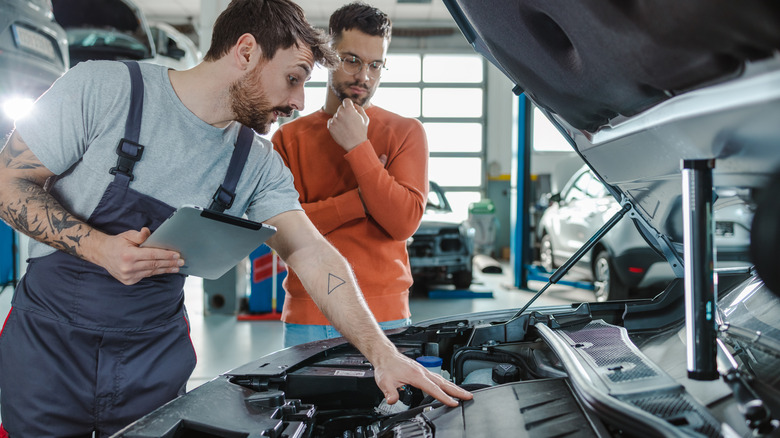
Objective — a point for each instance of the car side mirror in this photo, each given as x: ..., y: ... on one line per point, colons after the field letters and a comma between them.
x: 555, y: 198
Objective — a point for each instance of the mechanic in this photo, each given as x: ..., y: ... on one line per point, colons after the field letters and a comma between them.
x: 98, y: 334
x: 362, y: 176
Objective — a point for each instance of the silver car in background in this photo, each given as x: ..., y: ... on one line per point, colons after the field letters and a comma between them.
x: 33, y: 54
x: 623, y: 264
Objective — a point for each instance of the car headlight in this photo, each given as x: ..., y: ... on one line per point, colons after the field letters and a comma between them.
x: 17, y: 107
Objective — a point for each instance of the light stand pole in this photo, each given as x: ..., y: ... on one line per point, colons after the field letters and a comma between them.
x: 700, y: 297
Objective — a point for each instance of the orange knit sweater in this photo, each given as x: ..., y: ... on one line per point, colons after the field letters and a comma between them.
x: 372, y: 239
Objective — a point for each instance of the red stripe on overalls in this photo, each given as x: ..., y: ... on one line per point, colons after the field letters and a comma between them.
x: 1, y: 334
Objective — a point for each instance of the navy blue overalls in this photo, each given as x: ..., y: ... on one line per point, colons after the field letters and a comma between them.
x: 84, y: 352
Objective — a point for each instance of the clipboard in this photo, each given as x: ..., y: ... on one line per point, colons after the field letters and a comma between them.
x: 210, y: 242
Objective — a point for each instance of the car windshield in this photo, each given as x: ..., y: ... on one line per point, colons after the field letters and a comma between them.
x: 586, y: 186
x: 751, y: 326
x: 103, y: 38
x: 437, y: 202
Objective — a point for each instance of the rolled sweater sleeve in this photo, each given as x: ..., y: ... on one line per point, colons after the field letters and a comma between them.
x: 334, y: 212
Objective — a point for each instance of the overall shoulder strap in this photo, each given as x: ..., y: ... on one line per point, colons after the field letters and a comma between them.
x: 129, y: 151
x: 226, y: 193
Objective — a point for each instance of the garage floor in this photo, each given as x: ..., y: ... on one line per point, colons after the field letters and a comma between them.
x: 223, y: 343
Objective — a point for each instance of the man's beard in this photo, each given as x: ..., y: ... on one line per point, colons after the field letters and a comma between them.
x: 341, y: 91
x: 250, y: 103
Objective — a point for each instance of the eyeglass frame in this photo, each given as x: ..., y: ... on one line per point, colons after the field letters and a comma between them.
x: 374, y: 74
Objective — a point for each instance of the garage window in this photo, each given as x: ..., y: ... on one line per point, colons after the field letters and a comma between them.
x: 545, y: 136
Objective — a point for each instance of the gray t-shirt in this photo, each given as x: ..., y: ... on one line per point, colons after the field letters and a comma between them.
x: 75, y: 127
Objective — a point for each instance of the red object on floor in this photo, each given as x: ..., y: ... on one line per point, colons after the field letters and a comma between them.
x: 3, y: 433
x: 271, y: 316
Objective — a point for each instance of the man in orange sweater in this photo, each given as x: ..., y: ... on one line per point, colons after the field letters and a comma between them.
x: 362, y: 176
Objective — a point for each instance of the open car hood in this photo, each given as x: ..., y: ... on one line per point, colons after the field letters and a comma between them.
x: 120, y: 16
x: 117, y: 14
x: 637, y: 87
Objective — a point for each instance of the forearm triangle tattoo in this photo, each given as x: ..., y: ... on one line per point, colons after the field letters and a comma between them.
x: 334, y: 282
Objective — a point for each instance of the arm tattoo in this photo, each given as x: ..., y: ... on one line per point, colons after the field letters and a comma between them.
x: 16, y: 155
x: 54, y: 226
x: 334, y: 282
x: 31, y: 209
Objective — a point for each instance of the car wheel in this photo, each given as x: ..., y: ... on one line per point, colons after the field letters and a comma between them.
x: 462, y: 279
x: 546, y: 253
x: 419, y: 288
x: 606, y: 284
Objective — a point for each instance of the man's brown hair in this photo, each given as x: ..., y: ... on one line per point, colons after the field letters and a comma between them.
x: 275, y: 24
x: 362, y: 17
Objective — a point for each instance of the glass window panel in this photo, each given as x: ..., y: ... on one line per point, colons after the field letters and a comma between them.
x: 452, y: 102
x: 435, y: 200
x: 402, y: 68
x: 459, y: 201
x: 452, y: 68
x: 596, y: 189
x: 314, y: 99
x: 545, y: 137
x: 319, y: 74
x: 577, y: 190
x: 403, y: 101
x: 454, y: 137
x: 451, y: 171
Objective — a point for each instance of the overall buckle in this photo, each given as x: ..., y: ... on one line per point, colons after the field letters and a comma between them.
x: 129, y: 153
x: 223, y: 198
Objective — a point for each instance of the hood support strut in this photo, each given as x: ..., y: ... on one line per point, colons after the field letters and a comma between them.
x: 561, y: 271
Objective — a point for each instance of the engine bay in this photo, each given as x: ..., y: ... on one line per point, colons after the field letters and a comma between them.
x: 592, y: 369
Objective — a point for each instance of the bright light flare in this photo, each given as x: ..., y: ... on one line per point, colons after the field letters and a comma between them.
x: 17, y: 107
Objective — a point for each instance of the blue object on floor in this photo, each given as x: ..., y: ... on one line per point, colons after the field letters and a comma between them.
x: 458, y: 293
x: 538, y: 273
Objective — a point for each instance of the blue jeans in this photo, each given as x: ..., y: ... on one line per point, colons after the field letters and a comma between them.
x: 295, y: 334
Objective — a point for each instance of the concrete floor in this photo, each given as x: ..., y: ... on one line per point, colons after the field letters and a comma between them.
x: 222, y: 342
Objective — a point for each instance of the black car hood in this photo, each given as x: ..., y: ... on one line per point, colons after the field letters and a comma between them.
x: 116, y: 14
x: 122, y: 16
x: 638, y: 86
x: 591, y: 61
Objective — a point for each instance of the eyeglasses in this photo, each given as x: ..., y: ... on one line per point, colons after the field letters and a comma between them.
x: 354, y: 65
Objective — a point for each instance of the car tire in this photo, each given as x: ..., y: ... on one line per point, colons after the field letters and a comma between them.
x: 418, y: 288
x: 606, y: 284
x: 546, y: 253
x: 462, y: 279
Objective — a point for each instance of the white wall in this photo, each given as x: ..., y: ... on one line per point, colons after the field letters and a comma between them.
x: 499, y: 123
x: 209, y: 11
